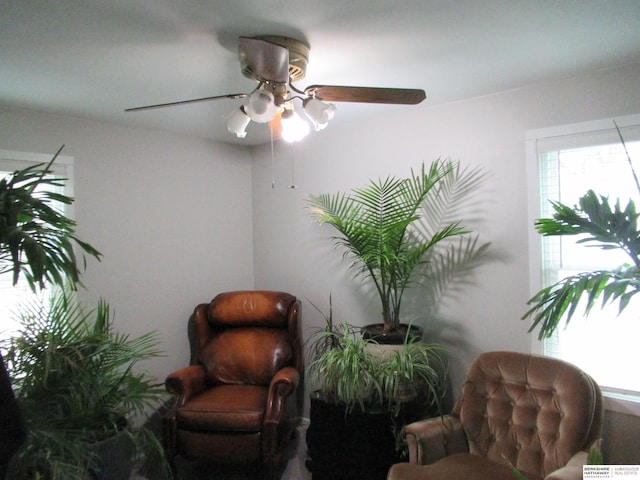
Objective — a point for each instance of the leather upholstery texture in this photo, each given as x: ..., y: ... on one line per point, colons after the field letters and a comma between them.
x: 537, y: 413
x: 238, y: 400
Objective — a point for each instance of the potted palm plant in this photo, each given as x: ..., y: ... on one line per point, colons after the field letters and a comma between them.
x: 395, y: 232
x: 79, y: 387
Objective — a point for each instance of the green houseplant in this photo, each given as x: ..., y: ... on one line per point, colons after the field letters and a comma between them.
x: 36, y: 243
x: 76, y: 382
x: 602, y: 224
x: 361, y: 398
x: 351, y: 374
x: 394, y: 231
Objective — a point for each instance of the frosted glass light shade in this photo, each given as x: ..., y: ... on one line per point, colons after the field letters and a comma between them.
x: 238, y: 122
x: 261, y: 106
x: 319, y: 112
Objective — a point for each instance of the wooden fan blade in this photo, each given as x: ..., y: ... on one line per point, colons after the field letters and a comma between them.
x: 265, y: 61
x: 334, y: 93
x: 185, y: 102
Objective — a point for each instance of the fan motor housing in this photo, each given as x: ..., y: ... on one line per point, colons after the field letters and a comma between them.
x: 298, y: 56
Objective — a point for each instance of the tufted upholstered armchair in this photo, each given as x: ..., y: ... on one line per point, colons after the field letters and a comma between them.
x: 237, y: 401
x: 538, y: 413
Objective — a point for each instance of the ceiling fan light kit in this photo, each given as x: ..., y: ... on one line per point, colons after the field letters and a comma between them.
x: 276, y: 62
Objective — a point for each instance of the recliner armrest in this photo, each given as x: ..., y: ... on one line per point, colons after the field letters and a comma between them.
x: 283, y: 384
x: 435, y: 438
x: 280, y: 415
x: 186, y: 382
x: 572, y: 470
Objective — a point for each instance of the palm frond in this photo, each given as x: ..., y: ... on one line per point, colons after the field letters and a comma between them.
x: 36, y: 240
x: 559, y: 302
x: 603, y: 225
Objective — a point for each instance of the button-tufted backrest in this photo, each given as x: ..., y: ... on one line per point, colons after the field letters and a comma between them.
x: 534, y: 411
x: 245, y: 337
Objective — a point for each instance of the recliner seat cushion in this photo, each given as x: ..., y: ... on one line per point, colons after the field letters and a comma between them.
x: 230, y: 408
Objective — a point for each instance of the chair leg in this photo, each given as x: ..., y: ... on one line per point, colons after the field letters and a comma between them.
x: 169, y: 435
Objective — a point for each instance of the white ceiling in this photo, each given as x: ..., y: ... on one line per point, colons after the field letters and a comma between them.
x: 94, y: 58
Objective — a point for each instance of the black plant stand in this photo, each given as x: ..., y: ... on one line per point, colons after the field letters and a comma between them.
x: 355, y: 445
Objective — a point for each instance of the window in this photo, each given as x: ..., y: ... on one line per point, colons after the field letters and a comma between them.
x: 571, y: 160
x: 11, y: 296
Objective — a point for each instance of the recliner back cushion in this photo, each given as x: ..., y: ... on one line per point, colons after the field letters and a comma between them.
x: 246, y: 355
x: 250, y: 308
x: 529, y: 409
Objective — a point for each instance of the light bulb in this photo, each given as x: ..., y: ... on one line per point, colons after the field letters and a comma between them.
x: 294, y: 128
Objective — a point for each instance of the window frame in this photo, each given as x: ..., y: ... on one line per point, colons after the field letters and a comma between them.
x: 615, y: 401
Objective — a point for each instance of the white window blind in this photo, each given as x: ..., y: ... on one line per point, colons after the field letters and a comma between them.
x: 572, y: 160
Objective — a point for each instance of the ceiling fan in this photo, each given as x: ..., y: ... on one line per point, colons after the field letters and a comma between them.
x: 275, y: 62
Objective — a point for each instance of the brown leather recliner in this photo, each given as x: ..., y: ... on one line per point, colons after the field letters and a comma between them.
x: 538, y: 413
x: 237, y: 401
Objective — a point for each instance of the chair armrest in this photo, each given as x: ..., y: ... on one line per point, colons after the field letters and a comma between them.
x: 186, y: 382
x: 572, y: 470
x: 435, y: 438
x: 283, y: 384
x: 281, y: 415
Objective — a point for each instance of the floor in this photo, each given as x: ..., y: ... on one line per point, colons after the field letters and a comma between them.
x: 295, y: 467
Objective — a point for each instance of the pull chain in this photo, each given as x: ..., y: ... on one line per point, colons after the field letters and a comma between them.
x: 273, y: 167
x: 293, y: 169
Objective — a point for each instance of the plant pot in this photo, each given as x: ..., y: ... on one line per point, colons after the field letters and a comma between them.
x: 375, y: 331
x: 12, y: 423
x: 113, y: 457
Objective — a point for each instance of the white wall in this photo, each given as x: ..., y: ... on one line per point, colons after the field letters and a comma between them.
x: 175, y: 216
x: 294, y: 254
x: 171, y: 214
